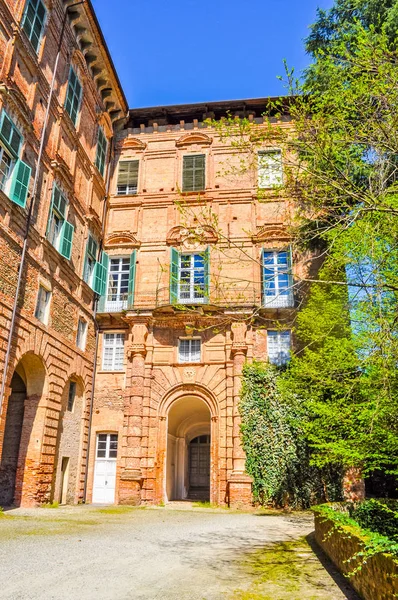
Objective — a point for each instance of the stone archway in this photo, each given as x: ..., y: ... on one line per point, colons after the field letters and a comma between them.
x: 23, y: 432
x: 187, y: 463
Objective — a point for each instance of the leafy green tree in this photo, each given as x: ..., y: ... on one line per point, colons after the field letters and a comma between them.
x: 341, y: 170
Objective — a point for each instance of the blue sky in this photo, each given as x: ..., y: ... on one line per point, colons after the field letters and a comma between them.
x: 182, y: 51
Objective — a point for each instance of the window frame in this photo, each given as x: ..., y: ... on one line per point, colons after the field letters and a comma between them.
x: 71, y: 400
x: 89, y: 277
x: 5, y: 185
x: 108, y: 435
x: 192, y: 358
x: 262, y: 176
x: 121, y: 297
x: 43, y: 23
x: 283, y: 297
x: 46, y: 311
x: 134, y: 190
x: 114, y: 347
x: 81, y: 335
x: 193, y: 299
x: 282, y: 357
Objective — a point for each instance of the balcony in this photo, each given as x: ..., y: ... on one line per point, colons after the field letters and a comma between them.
x: 281, y: 300
x: 218, y: 297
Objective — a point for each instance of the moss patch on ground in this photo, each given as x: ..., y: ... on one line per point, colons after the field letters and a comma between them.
x: 288, y: 571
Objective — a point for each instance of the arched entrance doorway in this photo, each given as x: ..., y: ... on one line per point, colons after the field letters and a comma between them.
x: 20, y: 452
x: 188, y: 450
x: 12, y: 440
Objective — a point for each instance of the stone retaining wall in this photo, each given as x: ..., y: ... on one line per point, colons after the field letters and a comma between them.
x: 378, y: 577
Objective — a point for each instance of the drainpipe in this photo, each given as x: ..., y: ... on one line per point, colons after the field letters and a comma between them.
x: 31, y: 207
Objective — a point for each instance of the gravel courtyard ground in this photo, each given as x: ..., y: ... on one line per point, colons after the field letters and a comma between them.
x: 164, y: 553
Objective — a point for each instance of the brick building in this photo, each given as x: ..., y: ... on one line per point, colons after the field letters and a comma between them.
x: 45, y: 412
x: 199, y: 279
x: 147, y: 212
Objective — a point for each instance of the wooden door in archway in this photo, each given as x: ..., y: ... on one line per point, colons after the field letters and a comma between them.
x: 199, y: 467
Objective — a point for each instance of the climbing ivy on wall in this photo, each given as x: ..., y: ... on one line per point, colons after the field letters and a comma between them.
x: 277, y: 456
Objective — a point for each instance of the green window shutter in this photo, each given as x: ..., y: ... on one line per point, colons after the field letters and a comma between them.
x: 131, y: 279
x: 73, y: 96
x: 20, y: 183
x: 66, y: 240
x: 100, y: 275
x: 207, y: 272
x: 102, y: 146
x: 174, y: 276
x: 10, y: 135
x: 193, y: 173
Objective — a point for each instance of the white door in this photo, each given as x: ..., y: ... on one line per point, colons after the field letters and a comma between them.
x: 105, y: 469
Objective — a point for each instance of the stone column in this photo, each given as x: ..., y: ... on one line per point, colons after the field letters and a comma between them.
x: 240, y: 483
x: 131, y: 475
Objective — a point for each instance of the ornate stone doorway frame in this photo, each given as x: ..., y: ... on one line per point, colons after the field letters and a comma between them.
x: 176, y: 393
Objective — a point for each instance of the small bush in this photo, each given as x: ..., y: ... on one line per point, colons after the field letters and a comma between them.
x: 376, y: 516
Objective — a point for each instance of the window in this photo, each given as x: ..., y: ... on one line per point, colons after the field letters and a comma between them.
x: 43, y: 302
x: 189, y: 350
x: 107, y: 445
x: 118, y: 284
x: 10, y: 135
x: 73, y: 96
x: 90, y: 260
x: 14, y: 173
x: 193, y: 173
x: 59, y: 230
x: 33, y: 21
x: 81, y: 334
x: 71, y: 395
x: 279, y: 343
x: 113, y: 352
x: 95, y: 271
x: 5, y: 168
x: 189, y: 277
x: 270, y: 171
x: 127, y: 179
x: 102, y: 146
x: 277, y: 279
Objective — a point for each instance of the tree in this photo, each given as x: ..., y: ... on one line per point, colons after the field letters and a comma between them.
x: 341, y: 171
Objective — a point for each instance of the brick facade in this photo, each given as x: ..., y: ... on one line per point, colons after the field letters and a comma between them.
x: 157, y: 426
x: 233, y: 225
x: 45, y: 355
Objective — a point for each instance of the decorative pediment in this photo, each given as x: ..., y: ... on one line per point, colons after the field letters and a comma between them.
x: 62, y: 173
x: 17, y: 102
x: 194, y: 138
x: 121, y: 239
x: 271, y: 231
x: 192, y: 237
x: 131, y: 143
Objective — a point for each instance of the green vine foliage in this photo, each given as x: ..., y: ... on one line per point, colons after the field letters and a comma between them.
x: 278, y: 457
x: 372, y: 542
